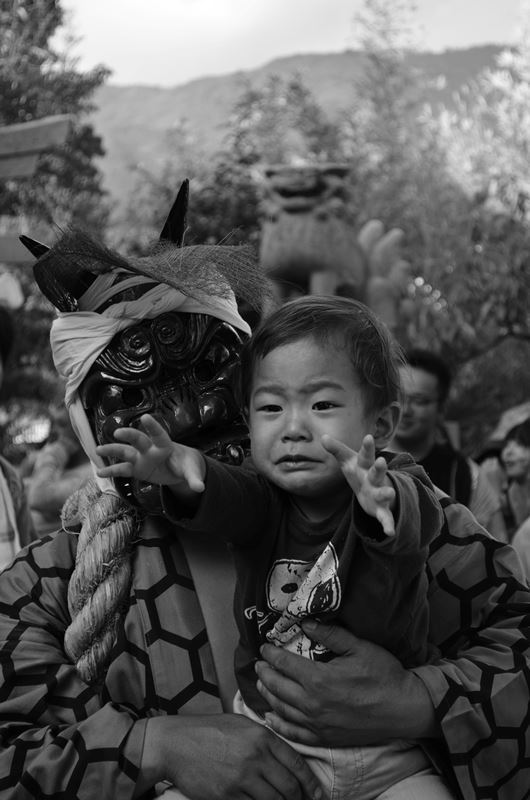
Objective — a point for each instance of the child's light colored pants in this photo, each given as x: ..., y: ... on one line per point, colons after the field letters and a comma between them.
x: 398, y: 770
x: 395, y: 771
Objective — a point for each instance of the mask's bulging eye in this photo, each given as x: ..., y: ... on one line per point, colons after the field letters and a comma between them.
x: 117, y: 398
x: 110, y: 399
x: 211, y: 363
x: 219, y: 353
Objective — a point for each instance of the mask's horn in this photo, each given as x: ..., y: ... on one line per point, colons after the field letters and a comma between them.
x: 65, y: 271
x: 175, y: 224
x: 36, y: 248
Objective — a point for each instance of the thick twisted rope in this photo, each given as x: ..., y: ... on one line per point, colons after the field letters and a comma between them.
x: 100, y: 583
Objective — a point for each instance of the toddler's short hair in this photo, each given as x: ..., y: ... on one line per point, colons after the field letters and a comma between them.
x: 374, y: 354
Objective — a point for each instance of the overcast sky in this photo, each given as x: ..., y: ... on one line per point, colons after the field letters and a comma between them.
x: 168, y: 42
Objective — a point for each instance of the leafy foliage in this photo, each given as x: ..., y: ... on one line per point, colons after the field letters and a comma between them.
x: 281, y: 122
x: 275, y: 123
x: 457, y: 183
x: 38, y: 80
x: 224, y: 197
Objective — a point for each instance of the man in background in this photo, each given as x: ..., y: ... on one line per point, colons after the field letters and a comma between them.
x: 422, y: 432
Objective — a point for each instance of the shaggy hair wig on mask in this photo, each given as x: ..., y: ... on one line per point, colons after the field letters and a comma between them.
x: 68, y: 269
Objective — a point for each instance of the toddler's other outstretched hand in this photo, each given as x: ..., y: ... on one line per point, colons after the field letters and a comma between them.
x: 367, y: 476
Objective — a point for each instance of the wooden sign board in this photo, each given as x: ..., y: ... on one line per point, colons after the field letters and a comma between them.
x: 20, y: 148
x: 21, y: 144
x: 18, y: 166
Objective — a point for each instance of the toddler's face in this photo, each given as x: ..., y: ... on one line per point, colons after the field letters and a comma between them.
x: 299, y: 392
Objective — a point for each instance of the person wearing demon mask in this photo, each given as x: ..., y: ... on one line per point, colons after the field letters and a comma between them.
x: 138, y: 700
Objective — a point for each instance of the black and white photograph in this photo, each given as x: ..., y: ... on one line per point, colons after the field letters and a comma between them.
x: 252, y: 253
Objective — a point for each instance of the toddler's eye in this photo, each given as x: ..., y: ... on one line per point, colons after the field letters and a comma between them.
x: 323, y: 405
x: 270, y: 408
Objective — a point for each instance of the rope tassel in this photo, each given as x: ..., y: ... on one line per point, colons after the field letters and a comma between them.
x: 100, y: 584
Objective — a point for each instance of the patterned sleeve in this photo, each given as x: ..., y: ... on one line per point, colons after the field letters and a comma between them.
x: 59, y: 738
x: 480, y: 619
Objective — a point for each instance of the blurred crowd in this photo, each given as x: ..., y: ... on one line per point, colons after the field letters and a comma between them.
x: 495, y: 485
x: 34, y: 491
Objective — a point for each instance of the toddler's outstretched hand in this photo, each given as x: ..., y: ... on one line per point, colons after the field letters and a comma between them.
x: 150, y: 455
x: 367, y: 476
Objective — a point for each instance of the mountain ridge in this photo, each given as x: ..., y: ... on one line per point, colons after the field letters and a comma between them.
x: 133, y: 120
